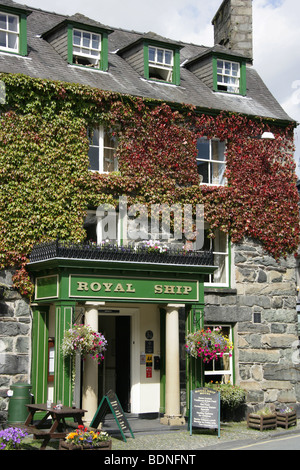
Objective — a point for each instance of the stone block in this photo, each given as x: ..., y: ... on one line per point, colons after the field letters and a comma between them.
x: 22, y: 309
x: 284, y: 371
x: 6, y: 310
x: 279, y: 341
x: 259, y: 355
x: 287, y: 396
x: 11, y: 364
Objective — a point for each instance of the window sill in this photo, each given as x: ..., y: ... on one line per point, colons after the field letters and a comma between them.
x: 14, y: 54
x: 160, y: 82
x: 89, y: 69
x: 219, y: 290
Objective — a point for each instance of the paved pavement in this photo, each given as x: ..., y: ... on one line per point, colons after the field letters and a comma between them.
x: 231, y: 435
x: 151, y: 436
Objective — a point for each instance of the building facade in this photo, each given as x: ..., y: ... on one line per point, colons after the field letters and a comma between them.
x: 101, y: 129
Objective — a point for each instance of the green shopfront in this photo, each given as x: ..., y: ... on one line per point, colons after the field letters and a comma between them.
x: 136, y: 300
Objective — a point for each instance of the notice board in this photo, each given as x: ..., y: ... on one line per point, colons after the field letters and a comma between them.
x: 204, y: 409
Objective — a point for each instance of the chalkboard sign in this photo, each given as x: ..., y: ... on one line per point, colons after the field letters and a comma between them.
x: 111, y: 402
x: 205, y: 409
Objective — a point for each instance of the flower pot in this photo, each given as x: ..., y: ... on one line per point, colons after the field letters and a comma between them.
x: 105, y: 445
x: 285, y: 420
x: 261, y: 422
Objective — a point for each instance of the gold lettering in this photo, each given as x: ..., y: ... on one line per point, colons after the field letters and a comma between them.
x: 129, y: 288
x: 119, y: 288
x: 186, y: 290
x: 95, y: 286
x: 158, y: 289
x: 107, y: 286
x: 169, y: 290
x: 82, y: 286
x: 178, y: 290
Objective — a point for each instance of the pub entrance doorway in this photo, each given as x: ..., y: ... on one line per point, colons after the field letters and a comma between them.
x: 114, y: 372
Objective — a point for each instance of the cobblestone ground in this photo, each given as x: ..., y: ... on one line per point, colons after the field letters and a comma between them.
x: 181, y: 440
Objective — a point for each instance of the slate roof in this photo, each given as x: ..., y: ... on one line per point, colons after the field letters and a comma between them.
x: 43, y: 61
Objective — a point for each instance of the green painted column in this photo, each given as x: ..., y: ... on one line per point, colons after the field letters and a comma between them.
x: 63, y: 367
x: 39, y: 361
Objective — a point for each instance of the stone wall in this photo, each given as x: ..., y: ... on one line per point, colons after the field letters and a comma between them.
x: 15, y: 341
x: 262, y: 308
x: 233, y: 26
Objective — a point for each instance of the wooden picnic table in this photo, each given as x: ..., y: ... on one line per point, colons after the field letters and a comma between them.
x: 58, y: 416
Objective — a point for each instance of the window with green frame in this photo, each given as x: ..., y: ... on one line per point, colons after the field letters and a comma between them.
x: 220, y: 370
x: 220, y: 247
x: 13, y: 31
x: 229, y: 75
x: 162, y: 63
x: 87, y: 47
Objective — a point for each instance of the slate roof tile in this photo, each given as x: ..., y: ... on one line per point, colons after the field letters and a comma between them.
x: 44, y: 62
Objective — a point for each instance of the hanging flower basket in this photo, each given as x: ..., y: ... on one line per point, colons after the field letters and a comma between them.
x: 84, y: 340
x: 208, y: 344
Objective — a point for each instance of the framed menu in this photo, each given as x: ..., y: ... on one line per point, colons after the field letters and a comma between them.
x: 204, y: 409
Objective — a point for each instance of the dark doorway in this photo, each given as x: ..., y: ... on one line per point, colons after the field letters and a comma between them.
x: 123, y: 361
x: 114, y: 372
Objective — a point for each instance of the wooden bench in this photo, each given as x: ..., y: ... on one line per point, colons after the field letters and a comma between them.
x: 44, y: 434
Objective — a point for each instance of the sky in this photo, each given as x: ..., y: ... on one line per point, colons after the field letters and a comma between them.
x: 276, y: 34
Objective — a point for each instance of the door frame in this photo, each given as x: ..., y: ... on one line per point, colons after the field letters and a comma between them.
x: 135, y: 388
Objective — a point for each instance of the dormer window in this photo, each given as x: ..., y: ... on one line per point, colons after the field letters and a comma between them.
x: 9, y: 32
x: 228, y: 76
x: 161, y: 63
x: 86, y: 48
x: 80, y: 41
x: 13, y: 30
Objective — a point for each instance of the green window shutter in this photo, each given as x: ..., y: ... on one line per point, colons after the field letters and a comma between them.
x: 23, y: 35
x: 104, y: 53
x: 146, y: 61
x: 243, y: 81
x: 176, y: 70
x: 70, y: 44
x: 215, y: 73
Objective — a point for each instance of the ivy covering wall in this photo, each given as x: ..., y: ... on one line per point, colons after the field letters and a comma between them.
x: 46, y: 188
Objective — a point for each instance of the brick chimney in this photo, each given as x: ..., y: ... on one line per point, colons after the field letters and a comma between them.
x: 233, y: 26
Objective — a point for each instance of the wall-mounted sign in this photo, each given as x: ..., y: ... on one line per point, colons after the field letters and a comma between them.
x: 98, y: 287
x: 149, y: 347
x: 46, y: 287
